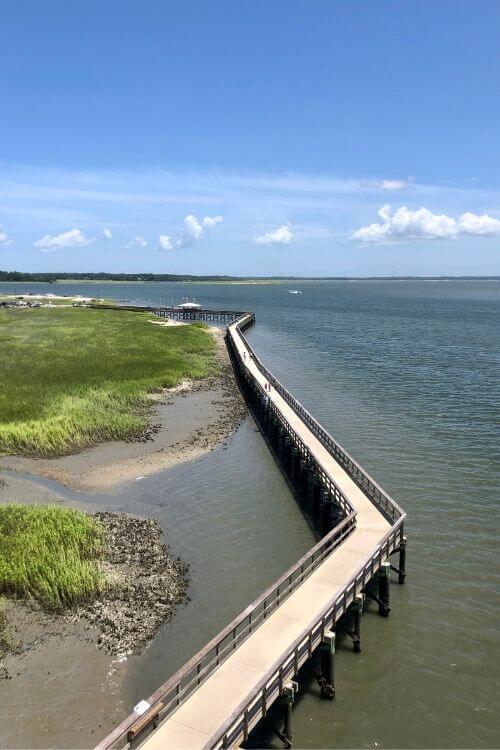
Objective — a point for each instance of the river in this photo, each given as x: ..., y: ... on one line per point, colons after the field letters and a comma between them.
x: 402, y: 373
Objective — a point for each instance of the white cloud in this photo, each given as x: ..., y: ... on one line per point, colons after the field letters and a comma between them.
x: 393, y: 185
x: 470, y: 223
x: 209, y: 222
x: 137, y: 241
x: 405, y: 224
x: 280, y: 236
x: 165, y: 242
x: 4, y: 238
x: 192, y: 230
x: 107, y: 233
x: 73, y: 238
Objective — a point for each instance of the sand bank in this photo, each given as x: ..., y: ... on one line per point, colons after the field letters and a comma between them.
x: 186, y: 422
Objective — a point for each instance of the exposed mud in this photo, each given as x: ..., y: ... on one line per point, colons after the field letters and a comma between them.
x: 147, y: 584
x: 74, y: 665
x: 186, y: 422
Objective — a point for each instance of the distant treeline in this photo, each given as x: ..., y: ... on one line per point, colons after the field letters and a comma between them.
x: 53, y: 277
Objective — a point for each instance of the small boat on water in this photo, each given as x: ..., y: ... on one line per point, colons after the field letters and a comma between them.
x: 294, y: 291
x: 187, y: 304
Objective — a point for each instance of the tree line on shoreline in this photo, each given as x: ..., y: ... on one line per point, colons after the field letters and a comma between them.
x: 52, y: 277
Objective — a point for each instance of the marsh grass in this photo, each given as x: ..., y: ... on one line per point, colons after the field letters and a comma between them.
x: 50, y: 554
x: 73, y: 377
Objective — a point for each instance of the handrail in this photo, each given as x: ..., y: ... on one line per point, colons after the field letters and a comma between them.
x: 374, y: 491
x: 172, y: 690
x: 329, y: 614
x: 202, y: 664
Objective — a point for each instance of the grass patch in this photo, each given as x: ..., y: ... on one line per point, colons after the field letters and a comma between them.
x: 73, y: 377
x: 50, y: 554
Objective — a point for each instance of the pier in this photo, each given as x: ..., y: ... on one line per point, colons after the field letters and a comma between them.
x: 220, y: 694
x: 178, y: 313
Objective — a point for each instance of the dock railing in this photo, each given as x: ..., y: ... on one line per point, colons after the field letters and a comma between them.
x: 389, y: 507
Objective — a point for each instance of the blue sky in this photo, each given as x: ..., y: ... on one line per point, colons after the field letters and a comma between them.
x: 323, y: 138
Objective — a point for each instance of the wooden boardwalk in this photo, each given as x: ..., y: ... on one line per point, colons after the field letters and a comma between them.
x: 235, y: 691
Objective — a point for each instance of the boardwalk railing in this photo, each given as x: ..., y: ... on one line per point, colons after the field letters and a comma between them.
x: 391, y: 510
x: 200, y: 666
x: 175, y: 690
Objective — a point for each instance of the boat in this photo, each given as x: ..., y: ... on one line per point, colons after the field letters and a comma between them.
x: 294, y: 291
x: 187, y: 304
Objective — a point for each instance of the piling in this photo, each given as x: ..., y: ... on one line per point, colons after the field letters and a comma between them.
x: 316, y: 494
x: 302, y: 473
x: 281, y: 442
x: 294, y: 455
x: 327, y: 651
x: 287, y: 698
x: 326, y: 515
x: 402, y: 560
x: 358, y: 611
x: 297, y: 465
x: 383, y: 589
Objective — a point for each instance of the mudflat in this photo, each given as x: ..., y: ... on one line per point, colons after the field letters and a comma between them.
x: 186, y: 421
x: 71, y: 666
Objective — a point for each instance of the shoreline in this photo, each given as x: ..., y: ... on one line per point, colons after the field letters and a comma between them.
x: 185, y: 422
x: 64, y: 661
x: 59, y: 662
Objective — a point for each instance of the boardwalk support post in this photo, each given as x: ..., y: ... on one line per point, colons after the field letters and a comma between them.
x: 326, y: 515
x: 402, y: 560
x: 327, y: 679
x: 383, y: 590
x: 287, y: 698
x: 357, y: 609
x: 316, y: 495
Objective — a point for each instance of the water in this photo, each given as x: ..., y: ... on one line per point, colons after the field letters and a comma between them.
x: 403, y: 374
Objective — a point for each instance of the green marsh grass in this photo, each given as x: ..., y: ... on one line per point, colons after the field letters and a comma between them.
x: 50, y: 554
x: 74, y: 377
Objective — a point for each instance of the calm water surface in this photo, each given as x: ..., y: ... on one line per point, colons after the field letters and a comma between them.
x: 405, y: 375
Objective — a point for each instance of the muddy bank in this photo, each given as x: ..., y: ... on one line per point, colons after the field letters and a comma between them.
x: 69, y: 681
x: 186, y: 422
x: 147, y: 584
x: 85, y: 652
x: 61, y: 684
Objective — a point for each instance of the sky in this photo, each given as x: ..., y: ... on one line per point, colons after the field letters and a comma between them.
x: 318, y: 138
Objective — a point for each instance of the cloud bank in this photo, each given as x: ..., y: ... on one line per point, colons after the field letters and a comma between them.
x: 281, y: 236
x: 73, y: 238
x: 406, y: 225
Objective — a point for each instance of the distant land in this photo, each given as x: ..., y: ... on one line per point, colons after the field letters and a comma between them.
x: 54, y: 277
